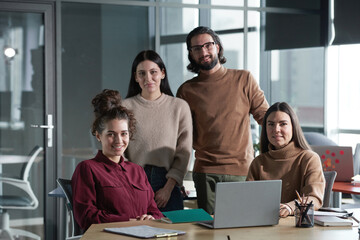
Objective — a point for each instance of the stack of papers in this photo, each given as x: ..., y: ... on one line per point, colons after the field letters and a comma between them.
x: 332, y: 221
x: 355, y: 179
x: 335, y: 217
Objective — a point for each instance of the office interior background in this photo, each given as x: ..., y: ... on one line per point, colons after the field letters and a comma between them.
x: 304, y: 52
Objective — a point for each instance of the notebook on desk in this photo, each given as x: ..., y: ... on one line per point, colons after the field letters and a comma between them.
x: 245, y: 204
x: 337, y: 158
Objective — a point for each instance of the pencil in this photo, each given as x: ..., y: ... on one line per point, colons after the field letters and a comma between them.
x: 307, y: 198
x: 302, y: 200
x: 298, y: 195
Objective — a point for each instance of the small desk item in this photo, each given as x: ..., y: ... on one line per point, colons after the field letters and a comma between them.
x: 337, y: 158
x: 186, y: 215
x: 246, y: 204
x: 144, y: 231
x: 332, y: 221
x: 304, y: 214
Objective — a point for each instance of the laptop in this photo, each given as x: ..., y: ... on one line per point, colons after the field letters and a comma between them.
x: 337, y: 158
x: 246, y: 204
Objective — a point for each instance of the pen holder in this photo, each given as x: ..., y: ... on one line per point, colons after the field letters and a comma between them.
x: 304, y: 215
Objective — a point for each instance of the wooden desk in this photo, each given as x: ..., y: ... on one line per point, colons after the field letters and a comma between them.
x: 346, y: 187
x: 284, y: 230
x: 343, y: 187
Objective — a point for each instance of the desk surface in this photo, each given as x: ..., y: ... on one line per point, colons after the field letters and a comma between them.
x: 284, y: 230
x: 346, y: 187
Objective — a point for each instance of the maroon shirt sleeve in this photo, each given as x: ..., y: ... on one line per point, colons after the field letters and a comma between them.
x: 104, y: 191
x: 85, y: 199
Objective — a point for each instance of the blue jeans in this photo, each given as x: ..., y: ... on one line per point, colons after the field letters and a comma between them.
x: 157, y: 180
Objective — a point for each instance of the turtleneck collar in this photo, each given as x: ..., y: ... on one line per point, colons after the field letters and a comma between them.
x: 150, y: 103
x: 213, y: 76
x: 286, y: 152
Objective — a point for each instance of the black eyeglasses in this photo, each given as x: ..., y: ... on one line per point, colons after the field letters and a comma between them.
x: 198, y: 48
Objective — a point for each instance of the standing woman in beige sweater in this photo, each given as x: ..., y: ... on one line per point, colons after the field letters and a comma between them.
x: 286, y: 155
x: 162, y: 143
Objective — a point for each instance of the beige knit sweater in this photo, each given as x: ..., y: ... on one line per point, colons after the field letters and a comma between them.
x: 297, y: 168
x: 163, y: 135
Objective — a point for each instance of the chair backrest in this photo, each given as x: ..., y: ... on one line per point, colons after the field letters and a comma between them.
x: 357, y: 159
x: 329, y: 182
x: 32, y: 156
x: 65, y: 185
x: 319, y: 139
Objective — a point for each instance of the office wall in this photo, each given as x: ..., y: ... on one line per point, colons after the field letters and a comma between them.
x: 81, y: 70
x: 99, y: 43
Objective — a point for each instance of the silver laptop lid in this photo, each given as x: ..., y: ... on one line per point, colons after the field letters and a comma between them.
x: 337, y: 158
x: 244, y: 204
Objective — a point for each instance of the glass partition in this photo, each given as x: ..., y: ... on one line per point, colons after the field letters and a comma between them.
x: 97, y: 53
x: 297, y: 77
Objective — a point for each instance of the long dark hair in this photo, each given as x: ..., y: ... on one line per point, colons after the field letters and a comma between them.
x: 134, y: 87
x: 298, y: 136
x: 193, y: 66
x: 107, y: 106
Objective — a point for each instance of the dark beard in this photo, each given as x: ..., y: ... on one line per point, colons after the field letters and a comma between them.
x: 209, y: 66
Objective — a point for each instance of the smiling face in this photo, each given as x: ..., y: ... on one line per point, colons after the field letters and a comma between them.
x: 114, y: 139
x: 207, y: 56
x: 149, y: 76
x: 279, y: 129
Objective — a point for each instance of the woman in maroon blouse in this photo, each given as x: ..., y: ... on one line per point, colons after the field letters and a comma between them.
x: 108, y: 188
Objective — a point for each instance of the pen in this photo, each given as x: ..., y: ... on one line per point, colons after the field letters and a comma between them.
x: 166, y: 234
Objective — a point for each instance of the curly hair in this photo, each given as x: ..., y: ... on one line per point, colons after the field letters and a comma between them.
x: 107, y: 106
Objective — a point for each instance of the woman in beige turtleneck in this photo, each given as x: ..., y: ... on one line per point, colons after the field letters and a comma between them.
x: 286, y: 155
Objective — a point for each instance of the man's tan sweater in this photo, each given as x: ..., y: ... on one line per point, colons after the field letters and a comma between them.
x: 221, y: 104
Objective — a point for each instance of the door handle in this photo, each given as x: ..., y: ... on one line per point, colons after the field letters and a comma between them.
x: 41, y: 126
x: 49, y: 128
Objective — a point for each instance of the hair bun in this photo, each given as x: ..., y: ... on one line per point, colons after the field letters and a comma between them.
x: 106, y: 101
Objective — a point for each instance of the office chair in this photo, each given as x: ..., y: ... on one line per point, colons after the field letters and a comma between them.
x: 356, y: 158
x: 76, y: 231
x: 318, y: 139
x: 29, y: 202
x: 329, y: 182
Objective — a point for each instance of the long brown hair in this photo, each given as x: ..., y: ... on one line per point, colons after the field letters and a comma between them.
x: 298, y: 136
x: 134, y: 87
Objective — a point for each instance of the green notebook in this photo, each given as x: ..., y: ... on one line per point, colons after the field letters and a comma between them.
x: 187, y: 215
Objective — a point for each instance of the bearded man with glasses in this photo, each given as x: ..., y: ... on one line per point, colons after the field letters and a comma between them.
x: 221, y: 101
